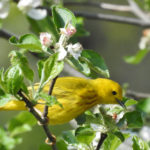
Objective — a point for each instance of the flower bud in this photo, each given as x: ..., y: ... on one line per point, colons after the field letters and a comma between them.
x: 45, y: 39
x: 69, y: 31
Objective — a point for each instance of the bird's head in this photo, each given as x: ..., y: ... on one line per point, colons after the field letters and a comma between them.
x: 109, y: 92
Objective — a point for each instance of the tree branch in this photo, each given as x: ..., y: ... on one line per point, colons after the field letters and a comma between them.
x: 6, y: 34
x: 103, y: 137
x: 102, y: 5
x: 113, y: 18
x: 137, y: 95
x: 42, y: 120
x: 49, y: 93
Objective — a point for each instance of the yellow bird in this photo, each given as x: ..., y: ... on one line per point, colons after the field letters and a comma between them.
x: 76, y: 95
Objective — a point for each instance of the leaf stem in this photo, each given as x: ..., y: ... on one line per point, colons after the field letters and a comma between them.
x: 103, y: 137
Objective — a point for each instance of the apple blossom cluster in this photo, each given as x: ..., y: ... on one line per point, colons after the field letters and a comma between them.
x: 62, y: 46
x: 28, y: 7
x: 145, y: 40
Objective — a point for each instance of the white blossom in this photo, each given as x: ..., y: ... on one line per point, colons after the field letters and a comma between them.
x: 145, y: 133
x: 4, y: 8
x: 68, y: 31
x: 62, y: 53
x: 29, y: 7
x: 45, y: 39
x: 75, y: 50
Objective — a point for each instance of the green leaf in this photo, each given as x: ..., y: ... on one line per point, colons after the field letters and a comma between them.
x: 40, y: 67
x: 44, y: 25
x: 61, y: 144
x: 51, y: 68
x: 139, y: 144
x: 69, y: 137
x: 137, y: 58
x: 85, y: 135
x: 3, y: 84
x: 7, y: 142
x: 27, y: 41
x: 5, y: 99
x: 50, y: 100
x: 144, y: 105
x: 95, y: 61
x: 134, y: 119
x: 81, y: 119
x: 14, y: 79
x: 17, y: 58
x: 62, y: 17
x: 81, y: 31
x: 79, y: 65
x: 119, y: 135
x: 112, y: 141
x: 21, y: 123
x: 130, y: 102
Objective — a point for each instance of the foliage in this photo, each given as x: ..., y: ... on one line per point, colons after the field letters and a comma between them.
x: 108, y: 119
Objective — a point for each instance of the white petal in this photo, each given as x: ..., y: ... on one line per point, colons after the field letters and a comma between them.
x: 37, y: 14
x: 4, y: 9
x: 62, y: 53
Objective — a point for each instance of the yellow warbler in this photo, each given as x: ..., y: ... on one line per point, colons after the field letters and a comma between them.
x: 76, y: 95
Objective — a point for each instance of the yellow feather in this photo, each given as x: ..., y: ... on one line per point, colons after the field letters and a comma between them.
x: 76, y: 95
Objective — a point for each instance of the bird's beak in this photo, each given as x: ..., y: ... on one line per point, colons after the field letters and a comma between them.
x: 121, y: 103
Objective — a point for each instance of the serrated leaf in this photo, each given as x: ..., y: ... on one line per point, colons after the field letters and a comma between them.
x: 27, y: 41
x: 85, y: 135
x: 49, y: 99
x: 130, y: 102
x: 95, y: 61
x: 4, y: 99
x: 69, y: 137
x: 136, y: 59
x: 119, y: 135
x: 134, y: 119
x: 17, y: 58
x: 78, y: 65
x: 62, y: 16
x: 14, y: 79
x: 139, y: 144
x: 112, y: 141
x: 51, y: 68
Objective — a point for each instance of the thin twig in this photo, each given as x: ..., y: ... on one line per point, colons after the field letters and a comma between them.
x: 6, y: 34
x: 113, y: 18
x: 137, y: 11
x: 103, y: 137
x: 49, y: 93
x: 42, y: 120
x: 137, y: 95
x: 103, y: 5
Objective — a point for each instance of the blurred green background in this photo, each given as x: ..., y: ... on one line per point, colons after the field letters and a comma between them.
x: 112, y: 40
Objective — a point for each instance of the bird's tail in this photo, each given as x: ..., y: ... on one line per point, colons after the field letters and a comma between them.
x: 14, y: 105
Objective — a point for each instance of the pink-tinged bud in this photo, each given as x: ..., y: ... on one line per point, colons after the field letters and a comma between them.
x: 146, y: 32
x: 69, y: 31
x: 46, y: 39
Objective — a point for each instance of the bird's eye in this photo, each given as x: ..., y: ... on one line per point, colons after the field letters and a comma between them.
x: 114, y: 92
